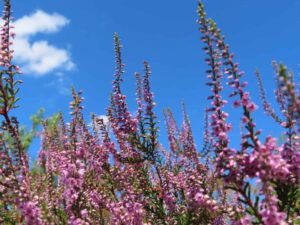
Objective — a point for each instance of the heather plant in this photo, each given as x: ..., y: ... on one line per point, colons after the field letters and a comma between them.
x: 117, y: 172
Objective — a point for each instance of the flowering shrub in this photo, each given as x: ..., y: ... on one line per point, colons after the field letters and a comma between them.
x: 118, y: 172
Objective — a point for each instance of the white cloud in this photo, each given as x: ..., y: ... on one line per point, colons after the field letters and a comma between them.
x: 104, y: 119
x: 39, y: 57
x: 40, y: 22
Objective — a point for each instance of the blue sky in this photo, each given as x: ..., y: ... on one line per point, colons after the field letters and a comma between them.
x: 71, y: 42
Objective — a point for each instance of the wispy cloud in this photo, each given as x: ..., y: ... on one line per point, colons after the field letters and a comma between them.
x: 62, y: 84
x: 40, y: 57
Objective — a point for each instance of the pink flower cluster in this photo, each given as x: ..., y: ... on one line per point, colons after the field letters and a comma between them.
x: 118, y: 173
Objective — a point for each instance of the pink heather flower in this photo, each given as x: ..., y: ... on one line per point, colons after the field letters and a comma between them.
x: 205, y: 201
x: 245, y: 119
x: 246, y: 220
x: 265, y: 163
x: 237, y: 103
x: 283, y: 124
x: 31, y: 213
x: 84, y: 213
x: 5, y: 35
x: 251, y: 107
x: 245, y: 98
x: 270, y: 213
x: 222, y: 136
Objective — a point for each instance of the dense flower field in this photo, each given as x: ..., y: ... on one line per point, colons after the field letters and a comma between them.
x: 119, y: 173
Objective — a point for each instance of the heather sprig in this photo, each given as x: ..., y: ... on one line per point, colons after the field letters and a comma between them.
x: 266, y: 162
